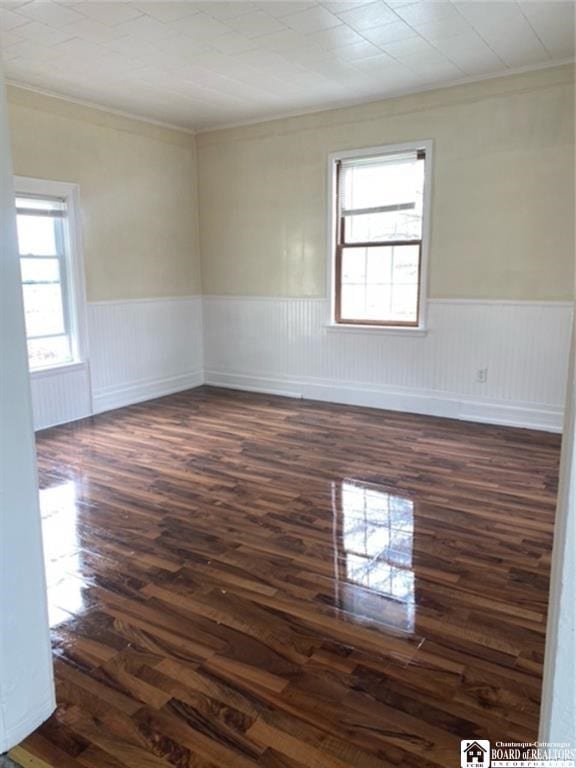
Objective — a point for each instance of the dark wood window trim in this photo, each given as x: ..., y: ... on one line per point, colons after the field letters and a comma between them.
x: 340, y: 241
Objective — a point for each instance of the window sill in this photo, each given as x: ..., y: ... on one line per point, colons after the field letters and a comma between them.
x: 376, y: 329
x: 54, y: 370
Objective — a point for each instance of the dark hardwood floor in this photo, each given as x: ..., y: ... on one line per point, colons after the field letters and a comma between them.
x: 239, y: 580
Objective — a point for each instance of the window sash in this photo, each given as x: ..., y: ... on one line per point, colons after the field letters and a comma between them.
x: 339, y: 318
x: 41, y: 255
x: 342, y: 213
x: 59, y: 234
x: 49, y: 336
x: 22, y: 211
x: 341, y: 243
x: 49, y: 205
x: 59, y: 214
x: 380, y: 158
x: 378, y: 209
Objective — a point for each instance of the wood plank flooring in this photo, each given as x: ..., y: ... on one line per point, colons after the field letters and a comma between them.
x: 238, y: 580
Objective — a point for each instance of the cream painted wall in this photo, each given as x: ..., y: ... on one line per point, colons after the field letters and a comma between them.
x: 503, y: 191
x: 137, y: 187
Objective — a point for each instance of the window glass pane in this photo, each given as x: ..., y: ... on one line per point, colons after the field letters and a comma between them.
x: 406, y: 264
x: 40, y: 270
x: 43, y: 309
x: 354, y: 265
x: 378, y: 184
x: 353, y: 304
x: 42, y: 226
x: 404, y: 302
x: 379, y: 301
x: 37, y: 235
x: 380, y: 283
x: 54, y: 350
x: 374, y: 227
x: 379, y: 265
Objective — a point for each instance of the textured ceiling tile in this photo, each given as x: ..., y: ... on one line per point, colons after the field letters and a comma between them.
x: 146, y: 29
x: 341, y: 7
x: 131, y: 47
x: 415, y: 46
x: 28, y: 52
x: 389, y: 33
x: 10, y: 20
x: 94, y: 31
x: 280, y: 9
x: 441, y: 28
x: 43, y: 33
x: 50, y: 13
x: 233, y: 42
x: 368, y: 16
x: 471, y: 54
x: 249, y: 60
x: 336, y: 37
x: 108, y: 12
x: 166, y: 11
x: 286, y: 40
x: 256, y: 24
x: 312, y: 20
x: 426, y: 12
x: 513, y: 40
x: 357, y: 51
x: 224, y: 11
x: 554, y: 23
x: 199, y: 25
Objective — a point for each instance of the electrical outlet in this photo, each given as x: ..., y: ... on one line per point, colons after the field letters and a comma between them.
x: 481, y: 375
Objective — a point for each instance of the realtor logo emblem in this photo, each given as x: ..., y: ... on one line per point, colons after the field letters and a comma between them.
x: 475, y: 754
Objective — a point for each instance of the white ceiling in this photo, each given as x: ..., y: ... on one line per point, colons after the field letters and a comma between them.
x: 204, y: 64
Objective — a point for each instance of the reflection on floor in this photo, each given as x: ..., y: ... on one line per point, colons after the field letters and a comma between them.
x: 238, y: 580
x: 61, y: 550
x: 373, y: 532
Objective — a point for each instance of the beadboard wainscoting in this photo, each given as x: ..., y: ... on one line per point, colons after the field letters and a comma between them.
x: 284, y: 346
x: 144, y: 348
x: 60, y: 395
x: 137, y: 350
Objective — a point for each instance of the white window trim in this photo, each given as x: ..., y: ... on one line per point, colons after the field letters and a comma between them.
x: 25, y: 185
x: 422, y: 328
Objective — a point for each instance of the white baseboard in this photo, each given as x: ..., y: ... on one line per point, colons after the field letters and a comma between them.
x: 431, y: 403
x: 118, y: 397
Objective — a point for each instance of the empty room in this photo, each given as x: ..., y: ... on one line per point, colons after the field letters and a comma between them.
x: 287, y: 398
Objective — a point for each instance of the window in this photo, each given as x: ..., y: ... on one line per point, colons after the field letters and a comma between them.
x: 50, y: 279
x: 380, y: 206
